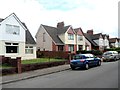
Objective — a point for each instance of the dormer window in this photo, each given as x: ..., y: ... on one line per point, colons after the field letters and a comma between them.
x: 70, y: 36
x: 12, y: 29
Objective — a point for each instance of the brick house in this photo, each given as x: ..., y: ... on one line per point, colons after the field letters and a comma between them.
x: 114, y: 42
x: 98, y: 41
x: 60, y: 38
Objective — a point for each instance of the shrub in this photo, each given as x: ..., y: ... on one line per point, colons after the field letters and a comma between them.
x: 113, y: 49
x: 95, y: 52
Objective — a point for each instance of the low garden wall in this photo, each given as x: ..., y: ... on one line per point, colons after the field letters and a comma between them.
x: 19, y: 68
x: 29, y: 67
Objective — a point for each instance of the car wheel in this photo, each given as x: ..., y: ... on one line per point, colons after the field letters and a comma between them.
x: 86, y: 66
x: 115, y: 58
x: 99, y: 63
x: 73, y: 68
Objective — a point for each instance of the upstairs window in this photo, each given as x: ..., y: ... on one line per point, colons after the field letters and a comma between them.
x: 80, y: 38
x: 43, y: 37
x: 70, y: 36
x: 12, y: 29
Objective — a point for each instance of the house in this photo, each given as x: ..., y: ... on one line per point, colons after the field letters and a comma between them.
x: 15, y: 39
x: 97, y: 40
x: 60, y: 38
x: 81, y: 41
x: 114, y: 42
x: 106, y: 41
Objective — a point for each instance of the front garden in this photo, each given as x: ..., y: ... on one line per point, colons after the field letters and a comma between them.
x: 28, y: 65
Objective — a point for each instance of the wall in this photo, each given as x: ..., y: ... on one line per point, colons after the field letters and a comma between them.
x: 62, y: 37
x: 106, y: 42
x: 88, y: 43
x: 82, y: 42
x: 39, y: 40
x: 21, y: 50
x: 12, y: 21
x: 69, y: 41
x: 30, y: 56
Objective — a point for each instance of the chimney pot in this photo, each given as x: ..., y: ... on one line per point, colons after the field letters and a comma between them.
x: 60, y: 25
x: 90, y: 32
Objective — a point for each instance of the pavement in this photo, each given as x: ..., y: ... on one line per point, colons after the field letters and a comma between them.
x: 32, y: 74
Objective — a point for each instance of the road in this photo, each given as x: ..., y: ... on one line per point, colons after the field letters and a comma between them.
x: 104, y: 76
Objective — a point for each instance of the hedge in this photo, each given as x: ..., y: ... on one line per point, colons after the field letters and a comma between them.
x: 95, y: 52
x: 113, y: 49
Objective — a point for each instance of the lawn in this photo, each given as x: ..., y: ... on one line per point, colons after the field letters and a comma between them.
x: 40, y: 60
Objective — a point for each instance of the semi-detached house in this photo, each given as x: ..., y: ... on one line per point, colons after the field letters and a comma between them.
x: 114, y: 42
x: 61, y: 38
x: 15, y: 39
x: 98, y: 41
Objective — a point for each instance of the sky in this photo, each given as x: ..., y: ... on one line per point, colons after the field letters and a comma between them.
x: 99, y: 15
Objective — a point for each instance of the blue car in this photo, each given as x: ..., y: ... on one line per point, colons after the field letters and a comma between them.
x: 84, y: 61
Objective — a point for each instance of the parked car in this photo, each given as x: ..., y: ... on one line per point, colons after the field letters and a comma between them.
x: 84, y: 61
x: 110, y: 56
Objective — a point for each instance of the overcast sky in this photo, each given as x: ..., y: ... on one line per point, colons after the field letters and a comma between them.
x: 99, y: 15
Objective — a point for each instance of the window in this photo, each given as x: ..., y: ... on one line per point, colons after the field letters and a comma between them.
x: 80, y: 38
x: 11, y: 47
x: 71, y: 48
x: 12, y: 29
x: 43, y: 37
x: 70, y: 36
x: 29, y: 49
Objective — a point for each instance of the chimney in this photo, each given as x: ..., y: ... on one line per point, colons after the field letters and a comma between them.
x: 60, y: 25
x: 90, y: 32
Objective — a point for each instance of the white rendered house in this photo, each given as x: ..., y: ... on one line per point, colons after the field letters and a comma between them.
x: 15, y: 39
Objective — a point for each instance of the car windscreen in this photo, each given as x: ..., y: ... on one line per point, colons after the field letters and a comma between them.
x: 78, y: 57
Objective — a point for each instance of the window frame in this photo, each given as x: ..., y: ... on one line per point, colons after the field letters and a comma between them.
x: 70, y: 36
x: 29, y: 50
x: 11, y: 45
x: 11, y: 29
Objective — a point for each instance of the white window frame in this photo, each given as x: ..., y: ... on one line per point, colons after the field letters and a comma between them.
x: 80, y: 37
x: 70, y: 36
x: 71, y: 48
x: 12, y: 29
x: 8, y: 44
x: 29, y: 50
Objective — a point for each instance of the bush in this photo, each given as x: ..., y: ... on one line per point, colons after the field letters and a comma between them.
x: 113, y: 49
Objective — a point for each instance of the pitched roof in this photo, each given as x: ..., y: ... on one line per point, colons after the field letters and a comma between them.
x: 1, y: 19
x: 54, y: 32
x: 62, y: 30
x: 29, y: 38
x: 103, y: 35
x: 112, y: 40
x: 95, y: 36
x: 88, y: 37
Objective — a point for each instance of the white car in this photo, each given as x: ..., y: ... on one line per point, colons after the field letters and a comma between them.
x: 110, y: 55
